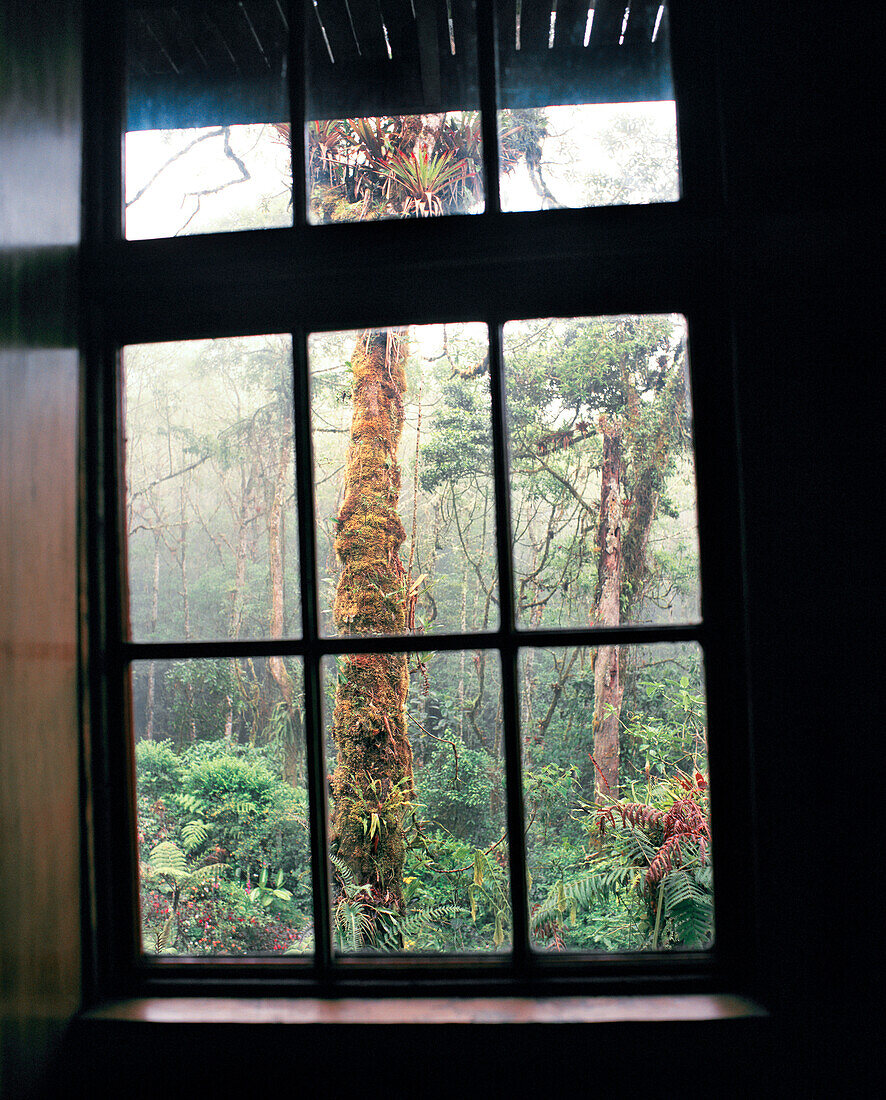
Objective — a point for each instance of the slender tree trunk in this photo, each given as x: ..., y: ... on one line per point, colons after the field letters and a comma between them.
x: 608, y: 687
x: 186, y: 605
x: 244, y: 512
x: 152, y: 670
x: 461, y: 667
x: 372, y: 784
x: 183, y: 561
x: 229, y: 722
x: 276, y: 665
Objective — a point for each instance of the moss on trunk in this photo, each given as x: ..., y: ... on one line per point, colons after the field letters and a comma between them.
x: 372, y: 786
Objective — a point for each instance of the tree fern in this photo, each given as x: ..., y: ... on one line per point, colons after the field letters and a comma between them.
x: 194, y: 835
x: 169, y: 860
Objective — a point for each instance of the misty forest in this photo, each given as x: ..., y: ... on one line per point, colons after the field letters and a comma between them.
x: 603, y: 534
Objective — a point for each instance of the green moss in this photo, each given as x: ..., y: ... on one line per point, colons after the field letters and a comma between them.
x: 373, y: 774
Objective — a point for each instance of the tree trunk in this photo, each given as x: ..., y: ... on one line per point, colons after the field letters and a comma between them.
x: 152, y: 670
x: 276, y: 665
x: 372, y: 785
x: 244, y: 512
x: 608, y: 687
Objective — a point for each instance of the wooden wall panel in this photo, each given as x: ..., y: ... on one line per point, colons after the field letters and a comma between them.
x: 39, y: 814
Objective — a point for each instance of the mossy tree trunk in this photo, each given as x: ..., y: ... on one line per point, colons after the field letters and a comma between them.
x: 372, y: 786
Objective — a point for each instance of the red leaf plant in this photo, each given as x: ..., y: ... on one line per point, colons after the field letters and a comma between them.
x: 686, y: 821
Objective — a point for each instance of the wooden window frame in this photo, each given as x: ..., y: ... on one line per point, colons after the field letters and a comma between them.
x: 492, y: 267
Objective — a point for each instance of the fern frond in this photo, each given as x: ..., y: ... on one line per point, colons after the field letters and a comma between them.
x: 204, y: 874
x: 579, y: 894
x: 353, y: 924
x: 693, y: 922
x: 417, y: 921
x: 194, y: 835
x: 164, y: 938
x: 344, y: 872
x: 168, y: 859
x: 190, y: 804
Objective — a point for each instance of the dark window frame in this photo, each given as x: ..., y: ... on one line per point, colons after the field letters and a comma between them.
x: 491, y: 267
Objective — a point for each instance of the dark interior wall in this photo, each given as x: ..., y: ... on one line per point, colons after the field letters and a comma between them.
x: 798, y: 141
x: 800, y: 99
x: 39, y: 382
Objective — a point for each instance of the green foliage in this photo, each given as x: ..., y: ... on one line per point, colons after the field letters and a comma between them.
x: 158, y: 768
x: 457, y: 797
x: 196, y: 696
x: 460, y: 446
x: 646, y: 884
x: 664, y: 725
x: 225, y: 856
x: 275, y: 898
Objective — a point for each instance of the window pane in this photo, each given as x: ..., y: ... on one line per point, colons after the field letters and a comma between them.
x: 211, y: 515
x: 392, y: 100
x: 587, y: 104
x: 207, y: 144
x: 418, y: 844
x: 602, y: 471
x: 403, y: 480
x: 224, y: 855
x: 616, y: 798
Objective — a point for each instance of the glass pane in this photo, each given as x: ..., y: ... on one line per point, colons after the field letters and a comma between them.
x: 403, y: 480
x: 207, y: 142
x: 587, y: 104
x: 224, y: 855
x: 210, y: 506
x: 418, y: 845
x: 602, y: 471
x: 616, y: 798
x: 392, y: 100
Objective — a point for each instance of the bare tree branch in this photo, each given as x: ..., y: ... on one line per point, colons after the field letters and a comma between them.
x: 176, y: 156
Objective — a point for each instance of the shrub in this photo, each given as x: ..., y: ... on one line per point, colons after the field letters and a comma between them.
x: 158, y: 769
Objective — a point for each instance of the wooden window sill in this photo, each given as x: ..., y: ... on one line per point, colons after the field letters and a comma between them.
x: 428, y: 1010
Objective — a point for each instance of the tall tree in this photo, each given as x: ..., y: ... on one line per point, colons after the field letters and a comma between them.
x: 599, y: 418
x: 372, y: 785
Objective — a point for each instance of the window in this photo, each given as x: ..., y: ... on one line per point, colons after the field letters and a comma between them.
x: 480, y: 548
